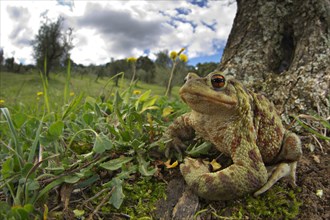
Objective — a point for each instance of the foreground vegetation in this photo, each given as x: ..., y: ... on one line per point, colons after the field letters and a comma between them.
x: 92, y: 156
x: 95, y: 143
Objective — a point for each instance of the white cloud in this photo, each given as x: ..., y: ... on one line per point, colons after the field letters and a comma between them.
x: 119, y: 29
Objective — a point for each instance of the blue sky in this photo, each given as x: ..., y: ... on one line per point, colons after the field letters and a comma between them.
x: 121, y: 29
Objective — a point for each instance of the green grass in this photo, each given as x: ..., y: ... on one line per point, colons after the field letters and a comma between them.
x: 18, y: 89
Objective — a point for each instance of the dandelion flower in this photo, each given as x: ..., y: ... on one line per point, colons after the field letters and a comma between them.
x: 2, y: 102
x: 137, y: 92
x: 183, y: 57
x: 173, y: 55
x: 40, y: 93
x: 71, y: 93
x: 131, y: 59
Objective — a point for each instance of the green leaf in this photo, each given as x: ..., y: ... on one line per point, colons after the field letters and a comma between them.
x: 78, y: 213
x: 26, y: 169
x: 88, y: 118
x: 144, y: 168
x: 90, y: 100
x: 144, y: 96
x: 71, y: 179
x: 117, y: 196
x: 29, y: 208
x: 149, y: 108
x: 19, y: 119
x: 4, y: 208
x: 49, y: 187
x: 20, y: 212
x: 88, y: 182
x: 149, y: 104
x: 101, y: 143
x: 7, y: 168
x: 127, y: 171
x: 98, y: 110
x: 56, y: 129
x: 201, y: 149
x: 32, y: 185
x: 116, y: 163
x: 113, y: 131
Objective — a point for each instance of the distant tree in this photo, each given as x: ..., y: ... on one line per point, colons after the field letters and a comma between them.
x: 1, y: 56
x: 163, y: 60
x: 117, y: 66
x: 9, y: 64
x: 148, y: 66
x: 100, y: 72
x: 52, y: 44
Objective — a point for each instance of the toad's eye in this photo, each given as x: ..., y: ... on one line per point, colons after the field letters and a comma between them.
x: 218, y: 81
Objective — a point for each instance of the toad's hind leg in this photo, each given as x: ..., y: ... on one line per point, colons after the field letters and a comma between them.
x: 291, y: 152
x: 281, y: 170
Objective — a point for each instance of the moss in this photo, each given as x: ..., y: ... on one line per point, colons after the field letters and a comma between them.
x: 140, y: 198
x: 276, y: 203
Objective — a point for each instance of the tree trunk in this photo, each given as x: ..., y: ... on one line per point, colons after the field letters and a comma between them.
x: 282, y: 47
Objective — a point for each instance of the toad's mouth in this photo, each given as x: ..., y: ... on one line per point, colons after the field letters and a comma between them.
x: 196, y: 97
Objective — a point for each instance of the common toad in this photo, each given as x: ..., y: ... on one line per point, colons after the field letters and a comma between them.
x: 241, y: 124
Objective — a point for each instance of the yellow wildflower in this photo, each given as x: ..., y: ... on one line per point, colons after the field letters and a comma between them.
x: 71, y: 93
x: 2, y: 102
x: 131, y: 59
x: 173, y: 55
x: 183, y: 57
x: 40, y: 93
x: 137, y: 92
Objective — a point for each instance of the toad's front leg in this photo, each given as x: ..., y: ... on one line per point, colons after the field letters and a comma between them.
x: 246, y: 175
x: 178, y: 132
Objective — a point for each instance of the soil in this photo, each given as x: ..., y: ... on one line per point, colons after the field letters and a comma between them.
x: 313, y: 174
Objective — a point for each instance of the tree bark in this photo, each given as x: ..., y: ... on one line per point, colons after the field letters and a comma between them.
x: 282, y: 47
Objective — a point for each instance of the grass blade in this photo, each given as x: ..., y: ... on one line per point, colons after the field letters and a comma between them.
x: 45, y: 87
x: 311, y: 130
x: 72, y: 106
x: 18, y: 147
x: 67, y: 82
x: 35, y: 143
x: 49, y: 187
